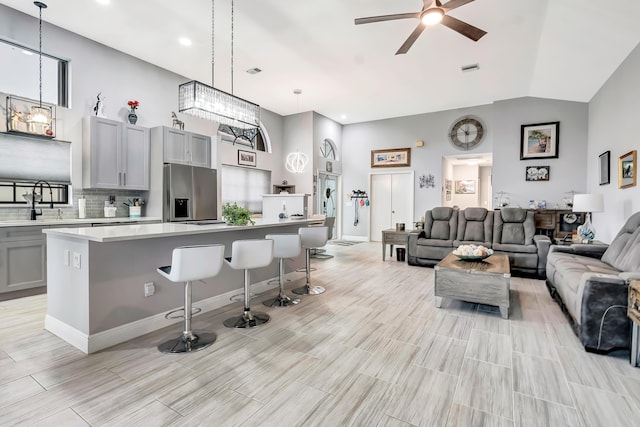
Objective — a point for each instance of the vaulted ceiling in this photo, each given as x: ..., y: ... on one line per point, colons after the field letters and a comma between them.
x: 561, y: 49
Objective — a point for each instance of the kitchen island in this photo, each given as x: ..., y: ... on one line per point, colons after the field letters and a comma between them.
x: 96, y: 277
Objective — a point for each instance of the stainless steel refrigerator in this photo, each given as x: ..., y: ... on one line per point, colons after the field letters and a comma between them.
x: 190, y: 193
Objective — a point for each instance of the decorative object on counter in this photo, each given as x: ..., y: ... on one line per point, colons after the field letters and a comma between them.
x: 539, y: 141
x: 568, y: 199
x: 177, y: 123
x: 133, y: 117
x: 82, y: 208
x: 537, y: 173
x: 472, y: 252
x: 627, y: 169
x: 207, y: 102
x: 466, y: 186
x: 502, y: 200
x: 427, y: 181
x: 236, y: 215
x: 605, y: 167
x: 537, y: 204
x: 246, y: 158
x: 391, y: 158
x: 587, y: 203
x: 99, y: 107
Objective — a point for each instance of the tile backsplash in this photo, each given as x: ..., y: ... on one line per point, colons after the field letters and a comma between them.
x: 95, y: 205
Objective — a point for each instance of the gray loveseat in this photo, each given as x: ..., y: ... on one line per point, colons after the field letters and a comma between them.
x: 591, y: 284
x: 510, y: 231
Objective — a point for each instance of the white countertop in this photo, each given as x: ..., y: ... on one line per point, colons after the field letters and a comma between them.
x: 149, y: 231
x: 74, y: 221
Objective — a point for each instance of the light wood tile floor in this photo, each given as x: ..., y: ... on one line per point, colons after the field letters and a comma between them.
x: 372, y: 351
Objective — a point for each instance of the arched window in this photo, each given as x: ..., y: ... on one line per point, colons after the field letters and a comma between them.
x: 328, y: 149
x: 255, y: 138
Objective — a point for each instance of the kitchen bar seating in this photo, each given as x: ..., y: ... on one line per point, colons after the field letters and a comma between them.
x: 284, y: 246
x: 246, y: 255
x: 189, y: 263
x: 312, y: 238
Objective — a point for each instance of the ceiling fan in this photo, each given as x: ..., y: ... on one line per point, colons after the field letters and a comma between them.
x: 433, y: 12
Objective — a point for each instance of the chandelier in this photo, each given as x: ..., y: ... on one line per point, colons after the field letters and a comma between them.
x: 207, y: 102
x: 296, y: 161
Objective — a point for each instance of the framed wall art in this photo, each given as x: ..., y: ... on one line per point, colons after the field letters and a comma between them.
x: 627, y: 169
x: 604, y: 166
x: 246, y: 158
x: 390, y: 158
x: 466, y: 186
x: 539, y: 141
x: 537, y: 173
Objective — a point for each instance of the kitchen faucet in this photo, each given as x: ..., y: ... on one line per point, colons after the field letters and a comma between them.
x: 33, y: 199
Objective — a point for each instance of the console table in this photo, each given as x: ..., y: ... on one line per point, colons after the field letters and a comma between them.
x: 633, y: 311
x: 393, y: 237
x: 556, y: 223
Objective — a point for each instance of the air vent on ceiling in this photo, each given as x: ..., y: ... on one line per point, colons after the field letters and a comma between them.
x: 471, y: 67
x: 254, y: 70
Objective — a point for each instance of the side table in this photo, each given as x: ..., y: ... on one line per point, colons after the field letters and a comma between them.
x: 393, y: 237
x: 633, y: 311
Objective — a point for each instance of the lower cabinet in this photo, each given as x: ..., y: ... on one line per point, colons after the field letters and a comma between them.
x: 23, y: 258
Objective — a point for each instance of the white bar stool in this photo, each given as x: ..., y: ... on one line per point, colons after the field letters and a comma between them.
x: 312, y: 238
x: 190, y: 263
x: 245, y: 255
x: 284, y: 246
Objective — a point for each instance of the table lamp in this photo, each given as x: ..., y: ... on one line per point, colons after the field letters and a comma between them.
x: 587, y: 203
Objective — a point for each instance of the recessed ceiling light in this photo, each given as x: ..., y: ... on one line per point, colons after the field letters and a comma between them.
x: 104, y: 1
x: 184, y: 41
x: 254, y: 70
x: 27, y: 52
x: 344, y: 116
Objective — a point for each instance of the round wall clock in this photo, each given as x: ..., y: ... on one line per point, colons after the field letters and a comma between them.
x: 466, y: 133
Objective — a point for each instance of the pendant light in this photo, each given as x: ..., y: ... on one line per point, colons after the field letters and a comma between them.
x: 207, y: 102
x: 296, y: 161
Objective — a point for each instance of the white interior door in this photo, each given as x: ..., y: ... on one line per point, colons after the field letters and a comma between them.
x: 391, y: 198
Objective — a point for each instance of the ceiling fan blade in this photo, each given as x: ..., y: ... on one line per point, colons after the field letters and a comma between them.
x: 453, y: 4
x: 411, y: 40
x: 467, y: 30
x: 382, y: 18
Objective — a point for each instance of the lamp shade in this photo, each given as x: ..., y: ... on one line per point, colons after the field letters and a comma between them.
x: 588, y: 203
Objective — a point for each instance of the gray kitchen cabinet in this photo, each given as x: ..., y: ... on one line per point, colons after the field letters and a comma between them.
x: 23, y: 258
x: 115, y: 155
x: 183, y: 147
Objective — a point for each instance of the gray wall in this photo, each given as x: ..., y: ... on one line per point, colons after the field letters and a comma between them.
x: 613, y: 114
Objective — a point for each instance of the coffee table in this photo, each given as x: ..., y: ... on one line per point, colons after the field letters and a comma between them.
x: 484, y: 282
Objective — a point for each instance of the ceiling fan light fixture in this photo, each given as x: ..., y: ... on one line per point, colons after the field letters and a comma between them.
x: 432, y: 16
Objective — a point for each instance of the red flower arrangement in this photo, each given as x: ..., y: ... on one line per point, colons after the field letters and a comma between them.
x: 133, y: 105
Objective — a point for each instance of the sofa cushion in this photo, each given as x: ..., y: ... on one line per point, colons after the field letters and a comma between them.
x: 624, y: 251
x: 510, y: 247
x: 441, y: 223
x: 435, y: 242
x: 514, y: 226
x: 475, y: 226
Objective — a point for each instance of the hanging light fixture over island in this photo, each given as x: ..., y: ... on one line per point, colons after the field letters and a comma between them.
x: 206, y: 102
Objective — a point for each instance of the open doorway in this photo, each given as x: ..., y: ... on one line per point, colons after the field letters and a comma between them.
x: 466, y: 180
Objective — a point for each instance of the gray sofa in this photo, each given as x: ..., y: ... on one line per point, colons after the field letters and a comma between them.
x: 591, y: 284
x: 510, y: 231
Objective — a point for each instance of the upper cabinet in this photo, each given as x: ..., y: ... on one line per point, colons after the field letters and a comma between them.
x: 115, y: 155
x: 183, y: 147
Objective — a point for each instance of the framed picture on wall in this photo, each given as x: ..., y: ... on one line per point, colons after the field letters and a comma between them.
x: 605, y: 171
x: 246, y: 158
x: 390, y: 158
x: 627, y: 169
x: 537, y: 173
x: 539, y: 141
x: 466, y: 186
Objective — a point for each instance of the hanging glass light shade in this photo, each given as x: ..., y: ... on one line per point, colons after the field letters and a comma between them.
x: 296, y: 162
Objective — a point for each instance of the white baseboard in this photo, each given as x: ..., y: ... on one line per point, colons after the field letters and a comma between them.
x: 356, y: 238
x: 99, y: 341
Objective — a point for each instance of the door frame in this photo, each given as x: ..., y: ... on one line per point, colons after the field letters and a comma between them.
x: 412, y: 193
x: 317, y: 196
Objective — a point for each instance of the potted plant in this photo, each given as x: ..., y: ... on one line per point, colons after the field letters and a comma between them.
x: 236, y: 215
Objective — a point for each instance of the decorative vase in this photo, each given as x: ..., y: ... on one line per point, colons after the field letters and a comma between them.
x: 133, y: 117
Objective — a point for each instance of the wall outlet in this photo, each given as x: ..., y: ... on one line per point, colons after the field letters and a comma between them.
x: 67, y: 257
x: 149, y: 289
x: 76, y: 260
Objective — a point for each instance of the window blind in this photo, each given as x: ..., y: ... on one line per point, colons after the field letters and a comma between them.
x: 31, y: 159
x: 244, y: 186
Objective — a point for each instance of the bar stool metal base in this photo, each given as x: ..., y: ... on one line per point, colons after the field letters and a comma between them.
x: 247, y: 320
x: 188, y: 343
x: 281, y: 301
x: 309, y: 290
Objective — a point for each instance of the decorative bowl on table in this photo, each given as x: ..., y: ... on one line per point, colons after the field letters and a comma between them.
x: 472, y: 252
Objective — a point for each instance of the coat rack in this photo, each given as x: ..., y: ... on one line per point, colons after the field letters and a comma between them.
x: 364, y: 201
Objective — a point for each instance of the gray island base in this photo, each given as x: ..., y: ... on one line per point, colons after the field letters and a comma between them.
x: 483, y: 282
x: 96, y: 277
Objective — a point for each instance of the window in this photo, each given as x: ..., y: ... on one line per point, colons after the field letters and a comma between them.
x: 254, y: 138
x: 327, y: 149
x: 245, y: 186
x: 19, y: 74
x: 14, y: 192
